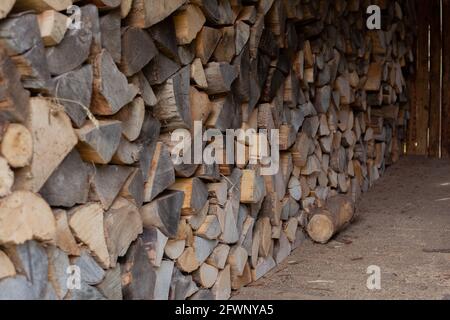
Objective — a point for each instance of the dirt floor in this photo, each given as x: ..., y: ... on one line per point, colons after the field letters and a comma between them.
x: 403, y: 226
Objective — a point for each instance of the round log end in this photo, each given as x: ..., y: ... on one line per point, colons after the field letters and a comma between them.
x: 320, y: 228
x: 17, y: 146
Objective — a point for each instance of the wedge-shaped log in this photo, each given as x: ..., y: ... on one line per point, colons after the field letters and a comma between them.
x: 195, y: 195
x: 218, y: 257
x: 123, y: 224
x: 42, y: 5
x: 111, y: 89
x: 53, y: 26
x: 98, y: 142
x: 53, y: 139
x: 137, y: 50
x: 25, y: 216
x: 138, y: 274
x: 73, y: 90
x: 252, y: 187
x: 64, y: 238
x: 206, y: 42
x: 164, y: 212
x: 132, y: 117
x: 222, y: 288
x: 6, y: 7
x: 69, y: 184
x: 220, y: 76
x: 154, y: 242
x: 206, y: 275
x: 76, y: 46
x: 173, y: 108
x: 14, y: 100
x: 188, y: 21
x: 160, y: 174
x: 146, y: 13
x: 106, y: 183
x: 87, y: 225
x: 6, y: 266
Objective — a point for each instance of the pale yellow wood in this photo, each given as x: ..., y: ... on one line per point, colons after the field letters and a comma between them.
x: 86, y: 222
x: 53, y: 139
x: 25, y: 216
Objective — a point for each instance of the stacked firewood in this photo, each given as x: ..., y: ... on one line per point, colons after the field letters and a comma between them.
x: 92, y: 205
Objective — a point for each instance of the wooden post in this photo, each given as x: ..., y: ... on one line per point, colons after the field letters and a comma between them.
x: 435, y: 78
x: 446, y: 79
x: 418, y: 144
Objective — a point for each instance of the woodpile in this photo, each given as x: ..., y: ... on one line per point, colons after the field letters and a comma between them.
x: 86, y: 115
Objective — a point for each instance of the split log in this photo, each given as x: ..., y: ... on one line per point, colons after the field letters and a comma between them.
x: 14, y: 99
x: 144, y: 13
x: 188, y: 262
x: 25, y: 216
x: 138, y: 274
x: 63, y: 57
x: 91, y: 273
x: 237, y: 282
x: 164, y: 212
x: 106, y: 183
x: 219, y: 76
x: 206, y: 42
x: 6, y: 7
x: 127, y: 153
x: 263, y: 266
x: 6, y: 266
x: 133, y: 189
x: 222, y: 288
x: 53, y: 139
x: 73, y: 90
x: 326, y: 222
x: 138, y: 50
x: 69, y: 184
x: 161, y: 173
x: 210, y: 229
x: 160, y: 69
x: 31, y: 261
x: 206, y: 275
x: 122, y: 224
x: 164, y: 35
x: 86, y: 223
x: 198, y: 74
x: 154, y: 242
x: 237, y: 259
x: 111, y: 88
x: 163, y: 280
x: 218, y: 257
x: 111, y: 35
x: 99, y: 141
x: 195, y: 195
x: 53, y: 26
x: 6, y: 178
x: 188, y: 21
x: 252, y: 187
x: 64, y: 238
x: 132, y: 118
x: 42, y: 5
x: 111, y: 286
x: 173, y: 108
x: 174, y: 248
x: 182, y: 287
